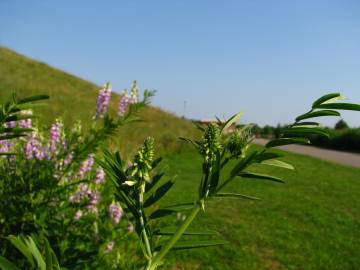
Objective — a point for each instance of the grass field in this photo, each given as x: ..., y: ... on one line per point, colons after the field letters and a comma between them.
x: 311, y: 222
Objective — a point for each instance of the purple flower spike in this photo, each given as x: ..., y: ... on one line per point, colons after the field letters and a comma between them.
x: 103, y: 100
x: 100, y: 176
x: 115, y: 212
x: 33, y: 148
x: 86, y: 166
x: 55, y: 134
x: 5, y: 146
x: 124, y: 103
x: 10, y: 124
x: 26, y: 123
x: 68, y: 159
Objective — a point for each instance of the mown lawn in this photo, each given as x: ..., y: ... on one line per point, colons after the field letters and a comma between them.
x: 311, y: 222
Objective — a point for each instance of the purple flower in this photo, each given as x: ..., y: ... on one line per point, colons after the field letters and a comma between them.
x: 86, y: 166
x: 103, y: 100
x: 115, y: 212
x: 100, y: 176
x: 130, y: 227
x: 5, y: 146
x: 78, y: 215
x: 26, y: 123
x: 10, y: 124
x: 109, y: 247
x: 81, y: 194
x: 68, y: 159
x: 55, y: 134
x: 33, y: 148
x: 124, y: 103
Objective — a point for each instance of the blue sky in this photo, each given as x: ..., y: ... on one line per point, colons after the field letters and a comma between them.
x: 270, y: 59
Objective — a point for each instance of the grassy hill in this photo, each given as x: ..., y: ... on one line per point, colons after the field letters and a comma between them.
x: 74, y: 98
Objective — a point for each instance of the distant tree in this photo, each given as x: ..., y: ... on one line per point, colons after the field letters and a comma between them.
x: 341, y: 124
x: 256, y: 130
x: 277, y: 131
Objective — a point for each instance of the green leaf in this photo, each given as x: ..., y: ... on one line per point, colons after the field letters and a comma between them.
x: 232, y: 120
x: 340, y: 106
x: 180, y: 207
x: 159, y: 193
x: 7, y: 265
x: 235, y: 196
x: 36, y: 253
x: 278, y: 163
x: 194, y: 143
x: 303, y: 131
x: 172, y: 230
x: 19, y: 243
x: 48, y: 256
x: 261, y: 176
x: 155, y: 179
x: 17, y: 117
x: 8, y: 154
x: 161, y: 213
x: 197, y: 244
x: 317, y: 114
x: 306, y: 124
x: 11, y: 136
x: 16, y: 130
x: 266, y: 155
x: 33, y: 98
x: 286, y: 141
x: 326, y: 98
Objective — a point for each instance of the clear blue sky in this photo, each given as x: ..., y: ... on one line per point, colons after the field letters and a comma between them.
x: 270, y: 59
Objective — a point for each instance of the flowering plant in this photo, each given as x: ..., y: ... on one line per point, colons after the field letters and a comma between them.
x: 53, y: 186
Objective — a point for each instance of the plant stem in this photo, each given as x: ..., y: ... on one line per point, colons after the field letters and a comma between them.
x: 144, y: 236
x: 172, y: 241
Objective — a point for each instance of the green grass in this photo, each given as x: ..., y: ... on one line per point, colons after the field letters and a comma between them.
x: 73, y: 98
x: 311, y: 222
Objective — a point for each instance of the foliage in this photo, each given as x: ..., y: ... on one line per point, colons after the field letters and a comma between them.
x: 217, y: 150
x: 341, y: 124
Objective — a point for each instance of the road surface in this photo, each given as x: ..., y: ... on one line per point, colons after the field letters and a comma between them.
x: 346, y: 158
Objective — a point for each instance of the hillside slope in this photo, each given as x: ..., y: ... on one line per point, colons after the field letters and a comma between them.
x: 74, y: 98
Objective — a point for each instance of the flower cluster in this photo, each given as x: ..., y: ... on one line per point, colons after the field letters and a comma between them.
x: 33, y: 148
x: 126, y: 99
x: 115, y: 212
x: 239, y: 142
x: 103, y: 100
x: 100, y: 176
x: 56, y: 135
x: 5, y: 146
x: 143, y: 160
x: 86, y: 166
x: 211, y: 142
x: 26, y: 123
x: 87, y: 195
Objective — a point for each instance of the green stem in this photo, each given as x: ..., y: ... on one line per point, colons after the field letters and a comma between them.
x: 172, y: 241
x: 144, y: 236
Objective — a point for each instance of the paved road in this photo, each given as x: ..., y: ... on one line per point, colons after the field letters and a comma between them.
x: 346, y: 158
